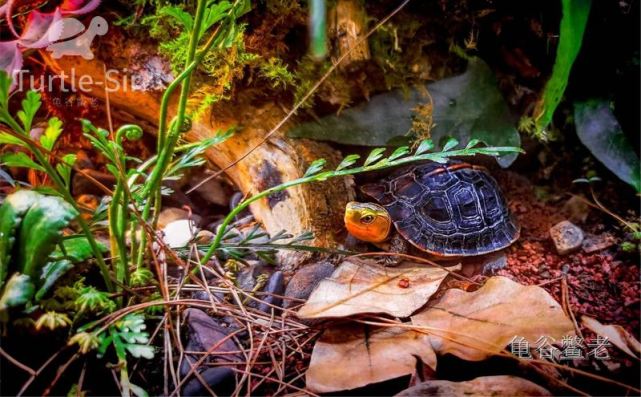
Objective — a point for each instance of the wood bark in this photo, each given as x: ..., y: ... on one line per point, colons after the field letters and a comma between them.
x: 348, y: 25
x: 316, y: 207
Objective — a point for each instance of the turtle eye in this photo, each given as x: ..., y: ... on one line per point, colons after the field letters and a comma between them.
x: 367, y: 219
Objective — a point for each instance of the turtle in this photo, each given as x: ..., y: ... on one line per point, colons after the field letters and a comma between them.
x: 453, y: 210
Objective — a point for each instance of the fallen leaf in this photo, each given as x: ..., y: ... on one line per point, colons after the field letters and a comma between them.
x: 615, y: 334
x: 501, y: 385
x: 354, y: 355
x: 475, y: 325
x: 358, y: 286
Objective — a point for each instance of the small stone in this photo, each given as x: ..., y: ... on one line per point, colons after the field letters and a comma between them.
x: 221, y: 380
x: 204, y: 237
x: 594, y: 243
x: 204, y: 296
x: 494, y: 263
x: 203, y: 334
x: 179, y: 233
x: 215, y: 191
x: 246, y: 278
x: 567, y: 237
x: 305, y: 281
x: 273, y: 292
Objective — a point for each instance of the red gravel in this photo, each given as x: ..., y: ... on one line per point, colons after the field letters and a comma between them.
x: 604, y: 285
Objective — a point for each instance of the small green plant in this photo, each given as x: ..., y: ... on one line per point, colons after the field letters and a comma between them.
x: 33, y: 252
x: 128, y: 337
x: 18, y: 134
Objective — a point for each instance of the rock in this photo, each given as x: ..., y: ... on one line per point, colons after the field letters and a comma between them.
x: 215, y: 191
x: 204, y: 237
x: 576, y: 209
x: 593, y: 243
x: 221, y: 380
x: 205, y: 335
x: 236, y: 199
x: 171, y: 214
x: 246, y: 277
x: 305, y: 281
x: 204, y: 296
x: 179, y: 233
x: 273, y: 292
x: 567, y: 237
x: 494, y: 263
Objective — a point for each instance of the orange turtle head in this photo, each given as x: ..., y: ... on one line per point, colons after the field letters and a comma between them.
x: 367, y: 221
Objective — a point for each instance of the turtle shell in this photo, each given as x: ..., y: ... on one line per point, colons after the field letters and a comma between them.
x: 453, y: 209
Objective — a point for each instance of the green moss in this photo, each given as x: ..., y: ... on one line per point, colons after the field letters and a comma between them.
x: 277, y: 73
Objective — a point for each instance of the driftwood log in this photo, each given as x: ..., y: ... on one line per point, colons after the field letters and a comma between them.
x: 316, y: 207
x: 348, y: 26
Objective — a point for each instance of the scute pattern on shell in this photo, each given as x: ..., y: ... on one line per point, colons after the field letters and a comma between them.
x: 450, y: 209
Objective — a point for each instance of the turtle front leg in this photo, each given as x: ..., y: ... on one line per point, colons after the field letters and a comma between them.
x: 397, y: 245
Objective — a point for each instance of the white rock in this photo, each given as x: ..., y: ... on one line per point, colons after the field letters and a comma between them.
x: 179, y: 233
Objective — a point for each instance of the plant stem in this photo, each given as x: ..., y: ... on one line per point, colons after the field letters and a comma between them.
x: 333, y: 174
x: 168, y: 141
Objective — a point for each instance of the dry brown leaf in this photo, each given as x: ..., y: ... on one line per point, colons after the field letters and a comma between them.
x: 502, y: 385
x: 354, y: 355
x: 365, y: 287
x: 475, y: 325
x: 615, y: 334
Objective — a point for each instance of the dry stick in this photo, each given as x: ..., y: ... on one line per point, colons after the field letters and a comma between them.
x: 81, y: 380
x: 36, y: 373
x: 16, y: 362
x: 59, y: 373
x: 568, y: 309
x: 307, y: 392
x: 202, y: 359
x: 306, y: 97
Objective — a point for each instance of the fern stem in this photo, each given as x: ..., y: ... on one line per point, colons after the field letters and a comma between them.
x: 61, y: 188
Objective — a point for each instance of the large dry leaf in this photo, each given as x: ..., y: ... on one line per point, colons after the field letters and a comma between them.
x: 365, y: 287
x: 615, y: 334
x: 475, y: 325
x: 354, y: 355
x: 501, y: 385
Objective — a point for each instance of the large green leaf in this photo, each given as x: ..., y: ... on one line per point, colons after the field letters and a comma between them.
x: 599, y: 130
x: 40, y: 231
x: 575, y: 17
x: 77, y: 249
x: 468, y: 106
x: 51, y: 272
x: 18, y: 291
x: 11, y: 212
